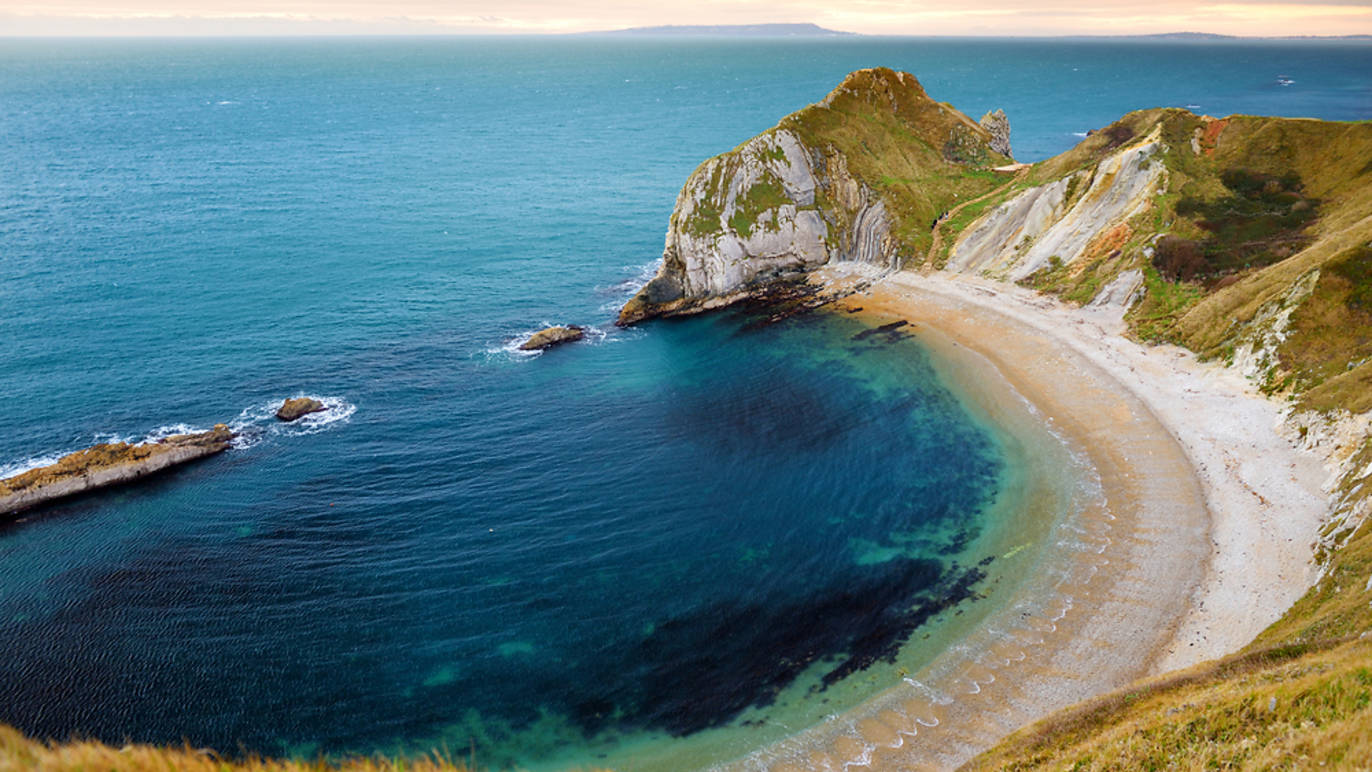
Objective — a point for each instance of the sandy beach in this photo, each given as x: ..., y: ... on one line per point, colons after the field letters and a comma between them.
x: 1201, y: 537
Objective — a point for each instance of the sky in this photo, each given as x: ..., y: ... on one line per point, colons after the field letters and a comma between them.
x: 889, y: 17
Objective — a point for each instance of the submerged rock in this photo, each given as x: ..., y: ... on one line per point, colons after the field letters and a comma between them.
x: 552, y: 336
x: 107, y: 464
x: 292, y: 409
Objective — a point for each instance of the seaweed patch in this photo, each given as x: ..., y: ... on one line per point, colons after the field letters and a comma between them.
x: 702, y: 670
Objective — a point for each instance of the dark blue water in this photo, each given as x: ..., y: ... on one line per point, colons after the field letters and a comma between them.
x: 648, y: 534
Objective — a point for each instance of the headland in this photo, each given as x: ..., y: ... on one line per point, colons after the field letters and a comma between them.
x: 1179, y: 296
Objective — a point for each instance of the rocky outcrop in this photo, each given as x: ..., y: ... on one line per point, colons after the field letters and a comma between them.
x: 1122, y: 292
x: 292, y: 409
x: 742, y: 219
x: 552, y: 336
x: 999, y: 126
x: 794, y: 198
x: 107, y: 464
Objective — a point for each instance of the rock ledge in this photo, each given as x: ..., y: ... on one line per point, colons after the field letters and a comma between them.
x: 107, y: 464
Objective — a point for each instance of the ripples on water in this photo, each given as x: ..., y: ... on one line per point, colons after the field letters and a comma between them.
x: 655, y: 531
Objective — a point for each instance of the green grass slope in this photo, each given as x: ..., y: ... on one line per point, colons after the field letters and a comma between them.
x: 922, y: 157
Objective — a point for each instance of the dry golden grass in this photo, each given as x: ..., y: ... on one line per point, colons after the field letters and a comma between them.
x: 1293, y: 707
x: 20, y: 753
x: 1332, y: 161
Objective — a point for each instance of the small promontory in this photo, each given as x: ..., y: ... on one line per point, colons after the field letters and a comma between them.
x: 860, y: 176
x: 107, y: 464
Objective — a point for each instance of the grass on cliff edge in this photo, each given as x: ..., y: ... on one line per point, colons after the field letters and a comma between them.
x: 1287, y: 707
x: 20, y: 753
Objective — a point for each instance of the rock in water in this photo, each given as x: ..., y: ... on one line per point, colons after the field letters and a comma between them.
x: 292, y: 409
x: 999, y: 126
x: 107, y: 464
x: 552, y: 336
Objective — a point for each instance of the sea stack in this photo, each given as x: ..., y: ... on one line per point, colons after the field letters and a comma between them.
x: 552, y: 336
x: 107, y: 464
x: 292, y: 409
x: 999, y: 126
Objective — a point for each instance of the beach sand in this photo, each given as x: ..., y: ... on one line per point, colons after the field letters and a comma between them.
x: 1202, y: 534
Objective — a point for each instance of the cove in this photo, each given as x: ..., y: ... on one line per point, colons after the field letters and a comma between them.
x: 718, y: 530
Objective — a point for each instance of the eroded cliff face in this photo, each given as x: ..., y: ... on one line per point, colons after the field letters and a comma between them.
x: 1243, y: 238
x: 998, y: 124
x: 791, y: 199
x: 1055, y: 223
x: 742, y: 218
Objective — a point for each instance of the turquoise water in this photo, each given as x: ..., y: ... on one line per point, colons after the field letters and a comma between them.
x: 652, y: 534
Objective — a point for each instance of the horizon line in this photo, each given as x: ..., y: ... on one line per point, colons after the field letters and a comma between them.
x: 833, y: 34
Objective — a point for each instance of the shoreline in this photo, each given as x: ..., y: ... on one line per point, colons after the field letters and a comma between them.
x: 1201, y: 548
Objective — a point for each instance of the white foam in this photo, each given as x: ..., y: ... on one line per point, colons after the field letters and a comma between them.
x: 509, y: 348
x: 170, y: 430
x: 621, y: 291
x: 252, y: 426
x: 258, y: 423
x: 19, y: 467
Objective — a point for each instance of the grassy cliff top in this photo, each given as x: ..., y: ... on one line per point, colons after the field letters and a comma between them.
x: 20, y: 753
x: 922, y: 157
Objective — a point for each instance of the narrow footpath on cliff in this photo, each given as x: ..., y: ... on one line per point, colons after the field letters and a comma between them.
x: 930, y: 260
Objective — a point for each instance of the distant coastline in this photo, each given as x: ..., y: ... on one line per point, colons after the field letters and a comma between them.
x: 728, y: 30
x: 810, y: 30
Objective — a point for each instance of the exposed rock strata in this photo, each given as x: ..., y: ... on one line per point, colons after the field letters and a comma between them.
x: 107, y: 464
x: 295, y: 408
x: 1059, y: 219
x: 552, y: 336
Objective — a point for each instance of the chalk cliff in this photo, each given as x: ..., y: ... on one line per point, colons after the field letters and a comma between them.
x: 808, y: 192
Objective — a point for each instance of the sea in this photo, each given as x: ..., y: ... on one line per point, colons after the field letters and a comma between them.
x: 662, y: 547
